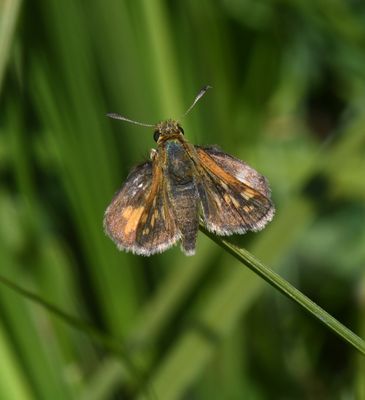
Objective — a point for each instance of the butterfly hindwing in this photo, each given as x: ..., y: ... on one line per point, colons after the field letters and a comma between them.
x: 234, y: 197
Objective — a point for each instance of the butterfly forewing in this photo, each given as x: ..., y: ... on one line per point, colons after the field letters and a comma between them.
x: 239, y: 169
x: 233, y: 198
x: 138, y: 218
x: 157, y: 230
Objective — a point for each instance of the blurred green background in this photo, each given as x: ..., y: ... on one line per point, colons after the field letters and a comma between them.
x: 288, y: 98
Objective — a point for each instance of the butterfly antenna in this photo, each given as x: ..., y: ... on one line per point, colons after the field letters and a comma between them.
x: 118, y: 116
x: 198, y: 97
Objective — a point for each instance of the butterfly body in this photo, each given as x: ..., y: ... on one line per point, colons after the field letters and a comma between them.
x: 181, y: 189
x: 163, y: 200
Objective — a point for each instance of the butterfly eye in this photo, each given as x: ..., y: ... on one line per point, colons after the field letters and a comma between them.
x: 156, y: 135
x: 181, y: 130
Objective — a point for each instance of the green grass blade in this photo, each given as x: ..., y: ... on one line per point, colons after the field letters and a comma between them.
x: 360, y: 371
x: 290, y: 291
x: 13, y: 384
x: 9, y: 12
x: 113, y: 345
x: 122, y: 366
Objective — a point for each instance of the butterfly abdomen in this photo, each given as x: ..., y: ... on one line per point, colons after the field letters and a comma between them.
x: 183, y: 194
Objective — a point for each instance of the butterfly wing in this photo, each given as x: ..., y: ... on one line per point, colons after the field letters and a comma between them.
x: 139, y: 218
x: 234, y: 197
x: 239, y: 169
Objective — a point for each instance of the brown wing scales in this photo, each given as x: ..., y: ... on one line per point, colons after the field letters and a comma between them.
x: 138, y: 218
x: 228, y: 204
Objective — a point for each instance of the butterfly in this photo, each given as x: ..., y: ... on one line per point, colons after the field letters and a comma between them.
x: 163, y: 200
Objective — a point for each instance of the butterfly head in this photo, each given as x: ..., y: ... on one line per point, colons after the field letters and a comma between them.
x: 168, y: 129
x: 165, y: 130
